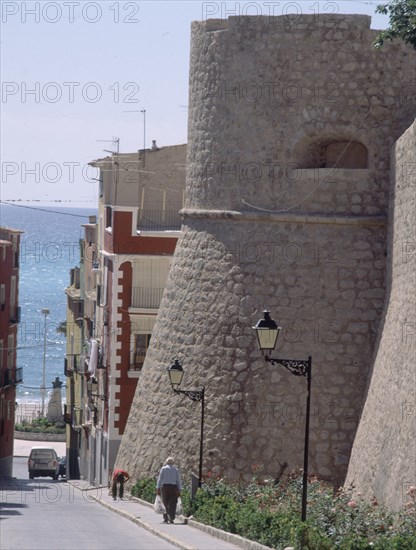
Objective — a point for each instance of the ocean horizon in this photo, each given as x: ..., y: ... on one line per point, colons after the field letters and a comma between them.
x: 49, y: 249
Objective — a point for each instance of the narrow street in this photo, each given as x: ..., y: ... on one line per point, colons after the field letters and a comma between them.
x: 45, y: 514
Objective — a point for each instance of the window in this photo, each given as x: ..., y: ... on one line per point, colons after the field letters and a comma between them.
x: 149, y: 281
x: 10, y: 351
x: 141, y: 344
x: 2, y: 297
x: 330, y: 151
x: 13, y: 292
x: 108, y: 217
x: 15, y: 252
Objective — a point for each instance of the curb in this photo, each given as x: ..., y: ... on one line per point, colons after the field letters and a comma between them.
x: 39, y: 436
x: 246, y: 544
x: 243, y: 543
x: 147, y: 526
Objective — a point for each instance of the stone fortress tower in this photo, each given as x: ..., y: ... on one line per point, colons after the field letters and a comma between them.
x: 291, y: 124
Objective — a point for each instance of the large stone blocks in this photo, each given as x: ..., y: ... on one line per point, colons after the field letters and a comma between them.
x: 291, y: 124
x: 383, y: 461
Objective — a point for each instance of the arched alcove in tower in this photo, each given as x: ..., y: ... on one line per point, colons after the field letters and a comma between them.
x: 331, y: 152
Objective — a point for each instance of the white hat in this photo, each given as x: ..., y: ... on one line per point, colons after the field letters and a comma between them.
x: 169, y: 460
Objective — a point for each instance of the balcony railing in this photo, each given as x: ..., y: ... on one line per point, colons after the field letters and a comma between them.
x: 16, y: 314
x: 146, y: 298
x: 77, y: 417
x: 67, y: 414
x: 19, y: 375
x: 138, y: 361
x: 158, y: 220
x: 11, y: 377
x: 70, y: 364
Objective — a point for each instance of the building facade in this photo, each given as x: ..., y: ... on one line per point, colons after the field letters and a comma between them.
x: 80, y: 318
x: 10, y: 374
x: 125, y: 262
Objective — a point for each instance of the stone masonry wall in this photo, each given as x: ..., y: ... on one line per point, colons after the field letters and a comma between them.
x: 383, y: 461
x: 291, y: 124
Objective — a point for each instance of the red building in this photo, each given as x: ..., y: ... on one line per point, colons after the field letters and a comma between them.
x: 10, y: 375
x: 125, y: 259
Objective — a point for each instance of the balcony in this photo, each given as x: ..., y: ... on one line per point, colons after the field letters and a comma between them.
x: 158, y: 220
x: 70, y: 364
x: 18, y: 375
x: 67, y: 414
x: 77, y: 418
x: 15, y: 315
x: 68, y: 371
x: 11, y: 377
x: 135, y: 368
x: 146, y: 298
x: 138, y: 361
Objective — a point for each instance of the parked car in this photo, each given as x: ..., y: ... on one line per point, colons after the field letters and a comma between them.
x: 62, y: 466
x: 43, y: 462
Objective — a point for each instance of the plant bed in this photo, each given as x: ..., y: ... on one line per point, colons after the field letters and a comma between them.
x: 268, y: 512
x: 41, y: 425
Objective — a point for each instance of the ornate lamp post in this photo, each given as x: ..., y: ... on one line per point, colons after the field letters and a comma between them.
x: 176, y: 373
x: 267, y: 333
x: 45, y: 312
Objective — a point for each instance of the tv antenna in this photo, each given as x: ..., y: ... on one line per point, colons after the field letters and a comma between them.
x: 116, y: 143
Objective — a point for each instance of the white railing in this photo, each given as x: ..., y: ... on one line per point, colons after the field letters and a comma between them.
x: 146, y: 298
x: 158, y: 220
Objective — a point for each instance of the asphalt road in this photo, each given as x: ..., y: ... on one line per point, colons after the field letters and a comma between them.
x: 42, y: 514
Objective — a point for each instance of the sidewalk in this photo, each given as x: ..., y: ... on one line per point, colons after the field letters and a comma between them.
x: 185, y: 533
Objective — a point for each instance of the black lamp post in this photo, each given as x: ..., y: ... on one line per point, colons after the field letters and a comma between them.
x: 176, y: 373
x: 267, y: 332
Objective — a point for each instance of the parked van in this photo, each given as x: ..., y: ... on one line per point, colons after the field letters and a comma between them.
x: 43, y: 462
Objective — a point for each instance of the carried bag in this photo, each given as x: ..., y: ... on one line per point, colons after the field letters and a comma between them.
x: 158, y: 506
x: 179, y: 508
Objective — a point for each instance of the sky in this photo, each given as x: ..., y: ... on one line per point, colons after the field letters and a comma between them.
x: 75, y: 75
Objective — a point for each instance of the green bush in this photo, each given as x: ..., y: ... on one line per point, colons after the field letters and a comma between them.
x: 145, y: 489
x: 41, y: 425
x: 268, y: 512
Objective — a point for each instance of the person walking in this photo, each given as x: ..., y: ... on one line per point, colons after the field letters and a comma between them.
x: 169, y: 486
x: 120, y: 476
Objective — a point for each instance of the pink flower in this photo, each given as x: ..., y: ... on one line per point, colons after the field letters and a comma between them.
x: 352, y: 504
x: 412, y: 491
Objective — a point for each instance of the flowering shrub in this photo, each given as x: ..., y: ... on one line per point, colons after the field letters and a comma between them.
x: 269, y: 513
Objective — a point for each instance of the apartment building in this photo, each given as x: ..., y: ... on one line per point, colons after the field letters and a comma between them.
x: 10, y: 374
x: 125, y: 259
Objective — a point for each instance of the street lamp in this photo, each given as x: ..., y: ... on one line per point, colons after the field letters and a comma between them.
x: 176, y: 373
x: 45, y: 312
x: 267, y: 331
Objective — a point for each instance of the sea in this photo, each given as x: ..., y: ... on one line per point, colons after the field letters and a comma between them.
x: 49, y: 249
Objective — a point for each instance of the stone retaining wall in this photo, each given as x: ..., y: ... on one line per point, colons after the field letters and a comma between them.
x: 291, y: 122
x: 383, y: 461
x: 30, y: 436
